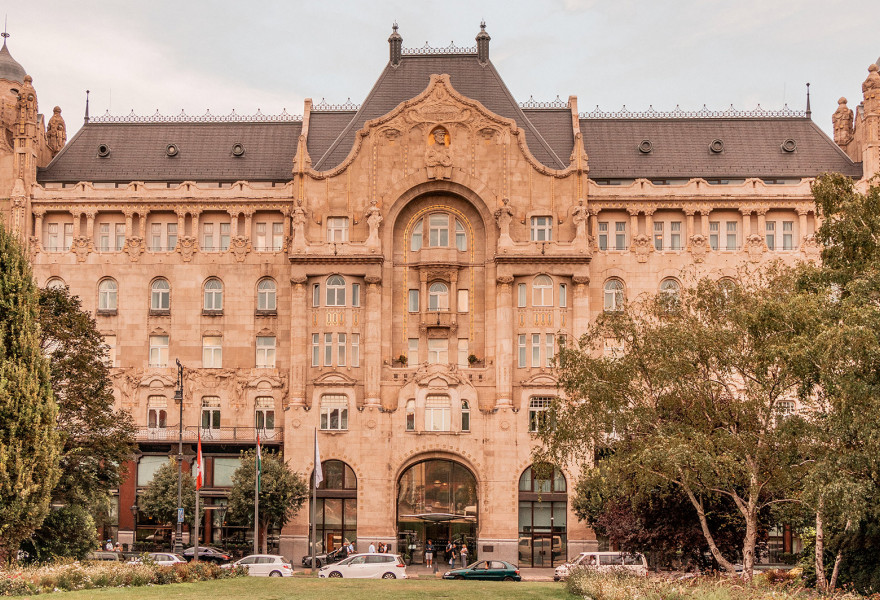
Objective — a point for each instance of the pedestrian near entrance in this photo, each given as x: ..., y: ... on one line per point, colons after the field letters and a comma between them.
x: 372, y: 547
x: 464, y: 554
x: 452, y: 556
x: 429, y: 554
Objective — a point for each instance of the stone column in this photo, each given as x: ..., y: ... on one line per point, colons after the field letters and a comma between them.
x: 373, y: 340
x: 248, y: 215
x: 704, y: 222
x: 649, y: 226
x: 689, y: 228
x: 594, y: 228
x: 299, y: 339
x: 423, y: 293
x: 802, y: 223
x: 580, y: 306
x: 38, y: 226
x: 762, y: 224
x: 90, y: 224
x: 746, y: 224
x: 453, y: 291
x: 77, y: 222
x: 129, y: 218
x: 233, y: 213
x: 195, y: 223
x: 633, y: 223
x: 504, y: 341
x: 142, y: 216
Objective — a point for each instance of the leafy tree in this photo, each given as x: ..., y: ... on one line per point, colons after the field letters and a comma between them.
x: 159, y: 500
x: 29, y: 443
x: 693, y: 399
x: 68, y: 531
x: 282, y: 494
x: 97, y: 439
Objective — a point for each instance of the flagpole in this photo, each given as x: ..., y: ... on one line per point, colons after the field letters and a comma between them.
x: 257, y: 469
x: 198, y: 487
x: 313, y: 507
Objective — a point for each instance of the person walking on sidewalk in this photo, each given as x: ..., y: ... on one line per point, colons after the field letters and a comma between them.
x: 429, y: 554
x: 464, y: 554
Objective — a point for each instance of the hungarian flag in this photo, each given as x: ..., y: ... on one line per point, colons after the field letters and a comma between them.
x: 319, y: 473
x: 259, y: 465
x: 200, y: 465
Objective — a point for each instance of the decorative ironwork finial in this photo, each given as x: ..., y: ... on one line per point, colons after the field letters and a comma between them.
x: 5, y: 33
x: 394, y: 26
x: 809, y: 112
x: 86, y: 118
x: 483, y: 25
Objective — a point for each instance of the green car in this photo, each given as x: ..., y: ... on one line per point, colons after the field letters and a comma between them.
x: 489, y: 570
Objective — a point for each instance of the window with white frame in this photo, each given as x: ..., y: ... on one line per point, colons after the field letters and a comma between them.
x: 225, y: 236
x: 316, y: 349
x: 160, y: 295
x: 163, y: 237
x: 658, y: 235
x: 670, y: 289
x: 521, y: 295
x: 521, y: 350
x: 536, y: 350
x: 714, y: 234
x: 158, y: 351
x: 438, y: 351
x: 208, y: 237
x: 603, y: 235
x: 416, y: 237
x: 328, y: 349
x: 438, y: 297
x: 60, y: 237
x: 355, y: 349
x: 269, y: 236
x: 785, y: 407
x: 563, y: 295
x: 266, y: 295
x: 277, y: 236
x: 731, y: 235
x: 410, y: 415
x: 264, y: 413
x: 412, y: 351
x: 412, y: 301
x: 56, y: 283
x: 265, y: 352
x: 538, y: 407
x: 111, y: 237
x: 437, y: 413
x: 770, y: 235
x: 335, y: 291
x: 213, y: 295
x: 212, y: 352
x: 460, y: 236
x: 541, y: 229
x: 462, y: 304
x: 337, y: 229
x: 316, y: 295
x: 465, y: 416
x: 210, y: 416
x: 675, y: 235
x: 157, y: 412
x: 438, y: 230
x: 261, y: 237
x: 788, y: 235
x: 613, y: 295
x: 620, y: 235
x: 334, y: 412
x: 355, y: 294
x: 542, y: 291
x: 108, y: 292
x: 549, y: 349
x: 340, y: 349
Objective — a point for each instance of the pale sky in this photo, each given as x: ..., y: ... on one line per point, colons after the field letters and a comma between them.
x: 271, y: 55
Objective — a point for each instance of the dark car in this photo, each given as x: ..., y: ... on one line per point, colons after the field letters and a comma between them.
x: 325, y: 559
x: 488, y: 570
x: 206, y: 553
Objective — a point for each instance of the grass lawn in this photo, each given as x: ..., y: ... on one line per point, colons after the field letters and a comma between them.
x: 265, y: 588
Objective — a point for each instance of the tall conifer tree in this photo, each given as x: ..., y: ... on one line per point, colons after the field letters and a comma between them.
x: 29, y: 444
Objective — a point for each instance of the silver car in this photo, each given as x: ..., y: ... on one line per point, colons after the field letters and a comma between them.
x: 264, y: 565
x: 367, y: 566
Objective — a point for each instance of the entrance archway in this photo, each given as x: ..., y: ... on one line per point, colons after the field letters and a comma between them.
x: 543, y: 505
x: 436, y: 500
x: 336, y: 510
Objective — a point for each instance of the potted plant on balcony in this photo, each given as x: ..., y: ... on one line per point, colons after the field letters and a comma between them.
x: 473, y: 361
x: 400, y: 360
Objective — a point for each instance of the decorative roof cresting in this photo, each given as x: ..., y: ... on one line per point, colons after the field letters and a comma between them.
x: 703, y: 113
x: 182, y: 117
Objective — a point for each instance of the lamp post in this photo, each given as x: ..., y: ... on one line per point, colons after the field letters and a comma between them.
x: 134, y: 515
x: 178, y: 397
x: 221, y: 513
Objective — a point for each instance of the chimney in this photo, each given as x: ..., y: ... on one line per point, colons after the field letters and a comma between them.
x: 483, y: 44
x: 395, y: 43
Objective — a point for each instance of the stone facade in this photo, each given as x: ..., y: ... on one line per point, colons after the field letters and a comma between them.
x: 406, y: 294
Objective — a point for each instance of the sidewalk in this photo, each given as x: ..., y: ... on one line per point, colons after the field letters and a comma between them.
x: 528, y: 574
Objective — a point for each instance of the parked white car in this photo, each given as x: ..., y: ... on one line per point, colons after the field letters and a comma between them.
x: 368, y: 565
x: 632, y: 562
x: 163, y: 559
x: 264, y: 565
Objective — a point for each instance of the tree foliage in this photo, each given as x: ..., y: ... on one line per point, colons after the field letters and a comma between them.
x: 282, y: 494
x: 29, y: 443
x: 97, y: 438
x: 693, y: 398
x: 159, y: 500
x: 66, y: 532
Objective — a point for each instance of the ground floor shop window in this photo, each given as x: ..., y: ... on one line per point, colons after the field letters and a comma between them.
x: 336, y: 507
x: 543, y: 510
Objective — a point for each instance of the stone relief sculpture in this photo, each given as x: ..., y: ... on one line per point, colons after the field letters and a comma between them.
x: 299, y: 227
x: 27, y: 103
x: 872, y: 83
x: 187, y: 247
x: 755, y: 247
x: 438, y: 159
x: 579, y: 216
x: 503, y: 217
x: 374, y: 218
x: 641, y: 247
x: 56, y: 132
x: 134, y: 247
x: 811, y: 247
x: 699, y: 246
x: 843, y: 123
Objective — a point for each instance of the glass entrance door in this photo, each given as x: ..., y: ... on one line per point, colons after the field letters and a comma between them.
x: 541, y: 551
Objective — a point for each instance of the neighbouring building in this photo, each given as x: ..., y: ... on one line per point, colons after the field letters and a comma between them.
x: 396, y: 275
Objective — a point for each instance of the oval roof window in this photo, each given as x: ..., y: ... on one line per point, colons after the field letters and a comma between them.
x: 103, y: 150
x: 716, y: 147
x: 789, y: 145
x: 645, y: 147
x: 238, y: 149
x: 172, y: 150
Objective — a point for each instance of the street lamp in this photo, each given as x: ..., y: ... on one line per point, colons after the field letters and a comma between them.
x: 178, y: 397
x: 134, y: 515
x: 221, y: 513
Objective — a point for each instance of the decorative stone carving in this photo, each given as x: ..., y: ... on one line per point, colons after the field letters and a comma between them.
x: 755, y: 247
x: 810, y: 247
x: 56, y: 132
x: 641, y: 247
x: 579, y: 217
x: 34, y: 246
x: 487, y: 133
x: 187, y: 247
x: 843, y: 123
x: 503, y: 217
x: 81, y: 247
x: 299, y: 281
x: 504, y: 282
x: 581, y: 279
x: 239, y: 246
x: 438, y: 158
x: 699, y: 246
x: 374, y: 218
x: 392, y: 134
x: 299, y: 227
x: 872, y: 83
x: 373, y: 280
x: 134, y: 247
x: 27, y: 103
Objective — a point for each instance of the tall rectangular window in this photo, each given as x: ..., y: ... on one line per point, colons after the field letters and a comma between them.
x: 328, y: 349
x: 262, y: 244
x: 212, y: 352
x: 438, y: 230
x: 265, y: 352
x: 437, y: 413
x: 521, y: 350
x: 210, y: 416
x: 731, y: 235
x: 340, y: 349
x: 277, y: 236
x: 675, y: 235
x: 355, y: 294
x: 337, y: 229
x: 542, y: 229
x: 225, y: 236
x: 563, y: 295
x: 119, y: 229
x: 53, y: 243
x: 462, y: 301
x: 158, y: 350
x: 171, y: 236
x: 521, y: 295
x: 412, y: 351
x: 316, y: 295
x: 156, y: 237
x: 104, y: 237
x: 208, y: 237
x: 316, y: 349
x: 620, y: 235
x: 438, y: 351
x: 264, y: 413
x: 658, y: 235
x: 355, y: 349
x: 770, y: 235
x: 68, y: 236
x: 714, y: 233
x: 788, y: 235
x: 462, y: 352
x: 413, y: 301
x: 536, y: 349
x: 549, y: 340
x: 603, y: 235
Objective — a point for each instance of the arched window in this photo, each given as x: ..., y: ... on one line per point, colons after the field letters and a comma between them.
x: 335, y: 291
x: 336, y: 506
x: 55, y: 283
x: 465, y: 416
x: 266, y: 295
x: 416, y: 241
x: 213, y: 294
x: 460, y: 236
x: 542, y: 517
x: 437, y: 413
x: 410, y: 415
x: 157, y: 416
x: 160, y: 295
x: 334, y: 412
x: 613, y: 295
x: 670, y: 288
x: 438, y: 297
x: 107, y: 294
x: 542, y: 291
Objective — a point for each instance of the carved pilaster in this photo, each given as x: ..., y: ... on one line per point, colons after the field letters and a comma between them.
x: 373, y: 339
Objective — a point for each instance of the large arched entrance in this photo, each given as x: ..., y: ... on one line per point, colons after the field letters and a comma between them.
x: 336, y: 509
x: 543, y: 514
x: 436, y: 500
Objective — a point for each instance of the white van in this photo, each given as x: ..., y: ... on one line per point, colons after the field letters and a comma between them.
x: 632, y: 562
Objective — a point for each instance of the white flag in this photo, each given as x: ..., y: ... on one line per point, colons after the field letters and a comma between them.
x: 319, y: 474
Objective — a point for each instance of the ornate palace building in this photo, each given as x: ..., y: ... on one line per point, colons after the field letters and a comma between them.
x: 397, y: 275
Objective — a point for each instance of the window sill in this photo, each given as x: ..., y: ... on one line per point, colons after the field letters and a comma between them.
x: 333, y: 431
x: 106, y: 312
x: 159, y: 313
x: 266, y: 313
x: 424, y: 432
x: 212, y: 313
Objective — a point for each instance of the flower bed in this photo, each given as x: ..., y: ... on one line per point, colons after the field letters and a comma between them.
x: 68, y: 576
x: 778, y: 585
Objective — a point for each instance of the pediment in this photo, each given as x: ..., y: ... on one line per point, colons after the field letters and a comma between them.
x: 265, y: 383
x: 542, y: 380
x: 157, y: 381
x: 335, y: 379
x: 438, y: 377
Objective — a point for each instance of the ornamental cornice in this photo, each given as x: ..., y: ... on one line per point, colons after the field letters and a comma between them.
x: 634, y: 206
x: 132, y: 208
x: 188, y: 190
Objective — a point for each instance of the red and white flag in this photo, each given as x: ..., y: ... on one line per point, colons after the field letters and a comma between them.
x: 200, y: 466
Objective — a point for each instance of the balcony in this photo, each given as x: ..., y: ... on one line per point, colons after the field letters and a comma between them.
x: 439, y: 318
x: 222, y: 434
